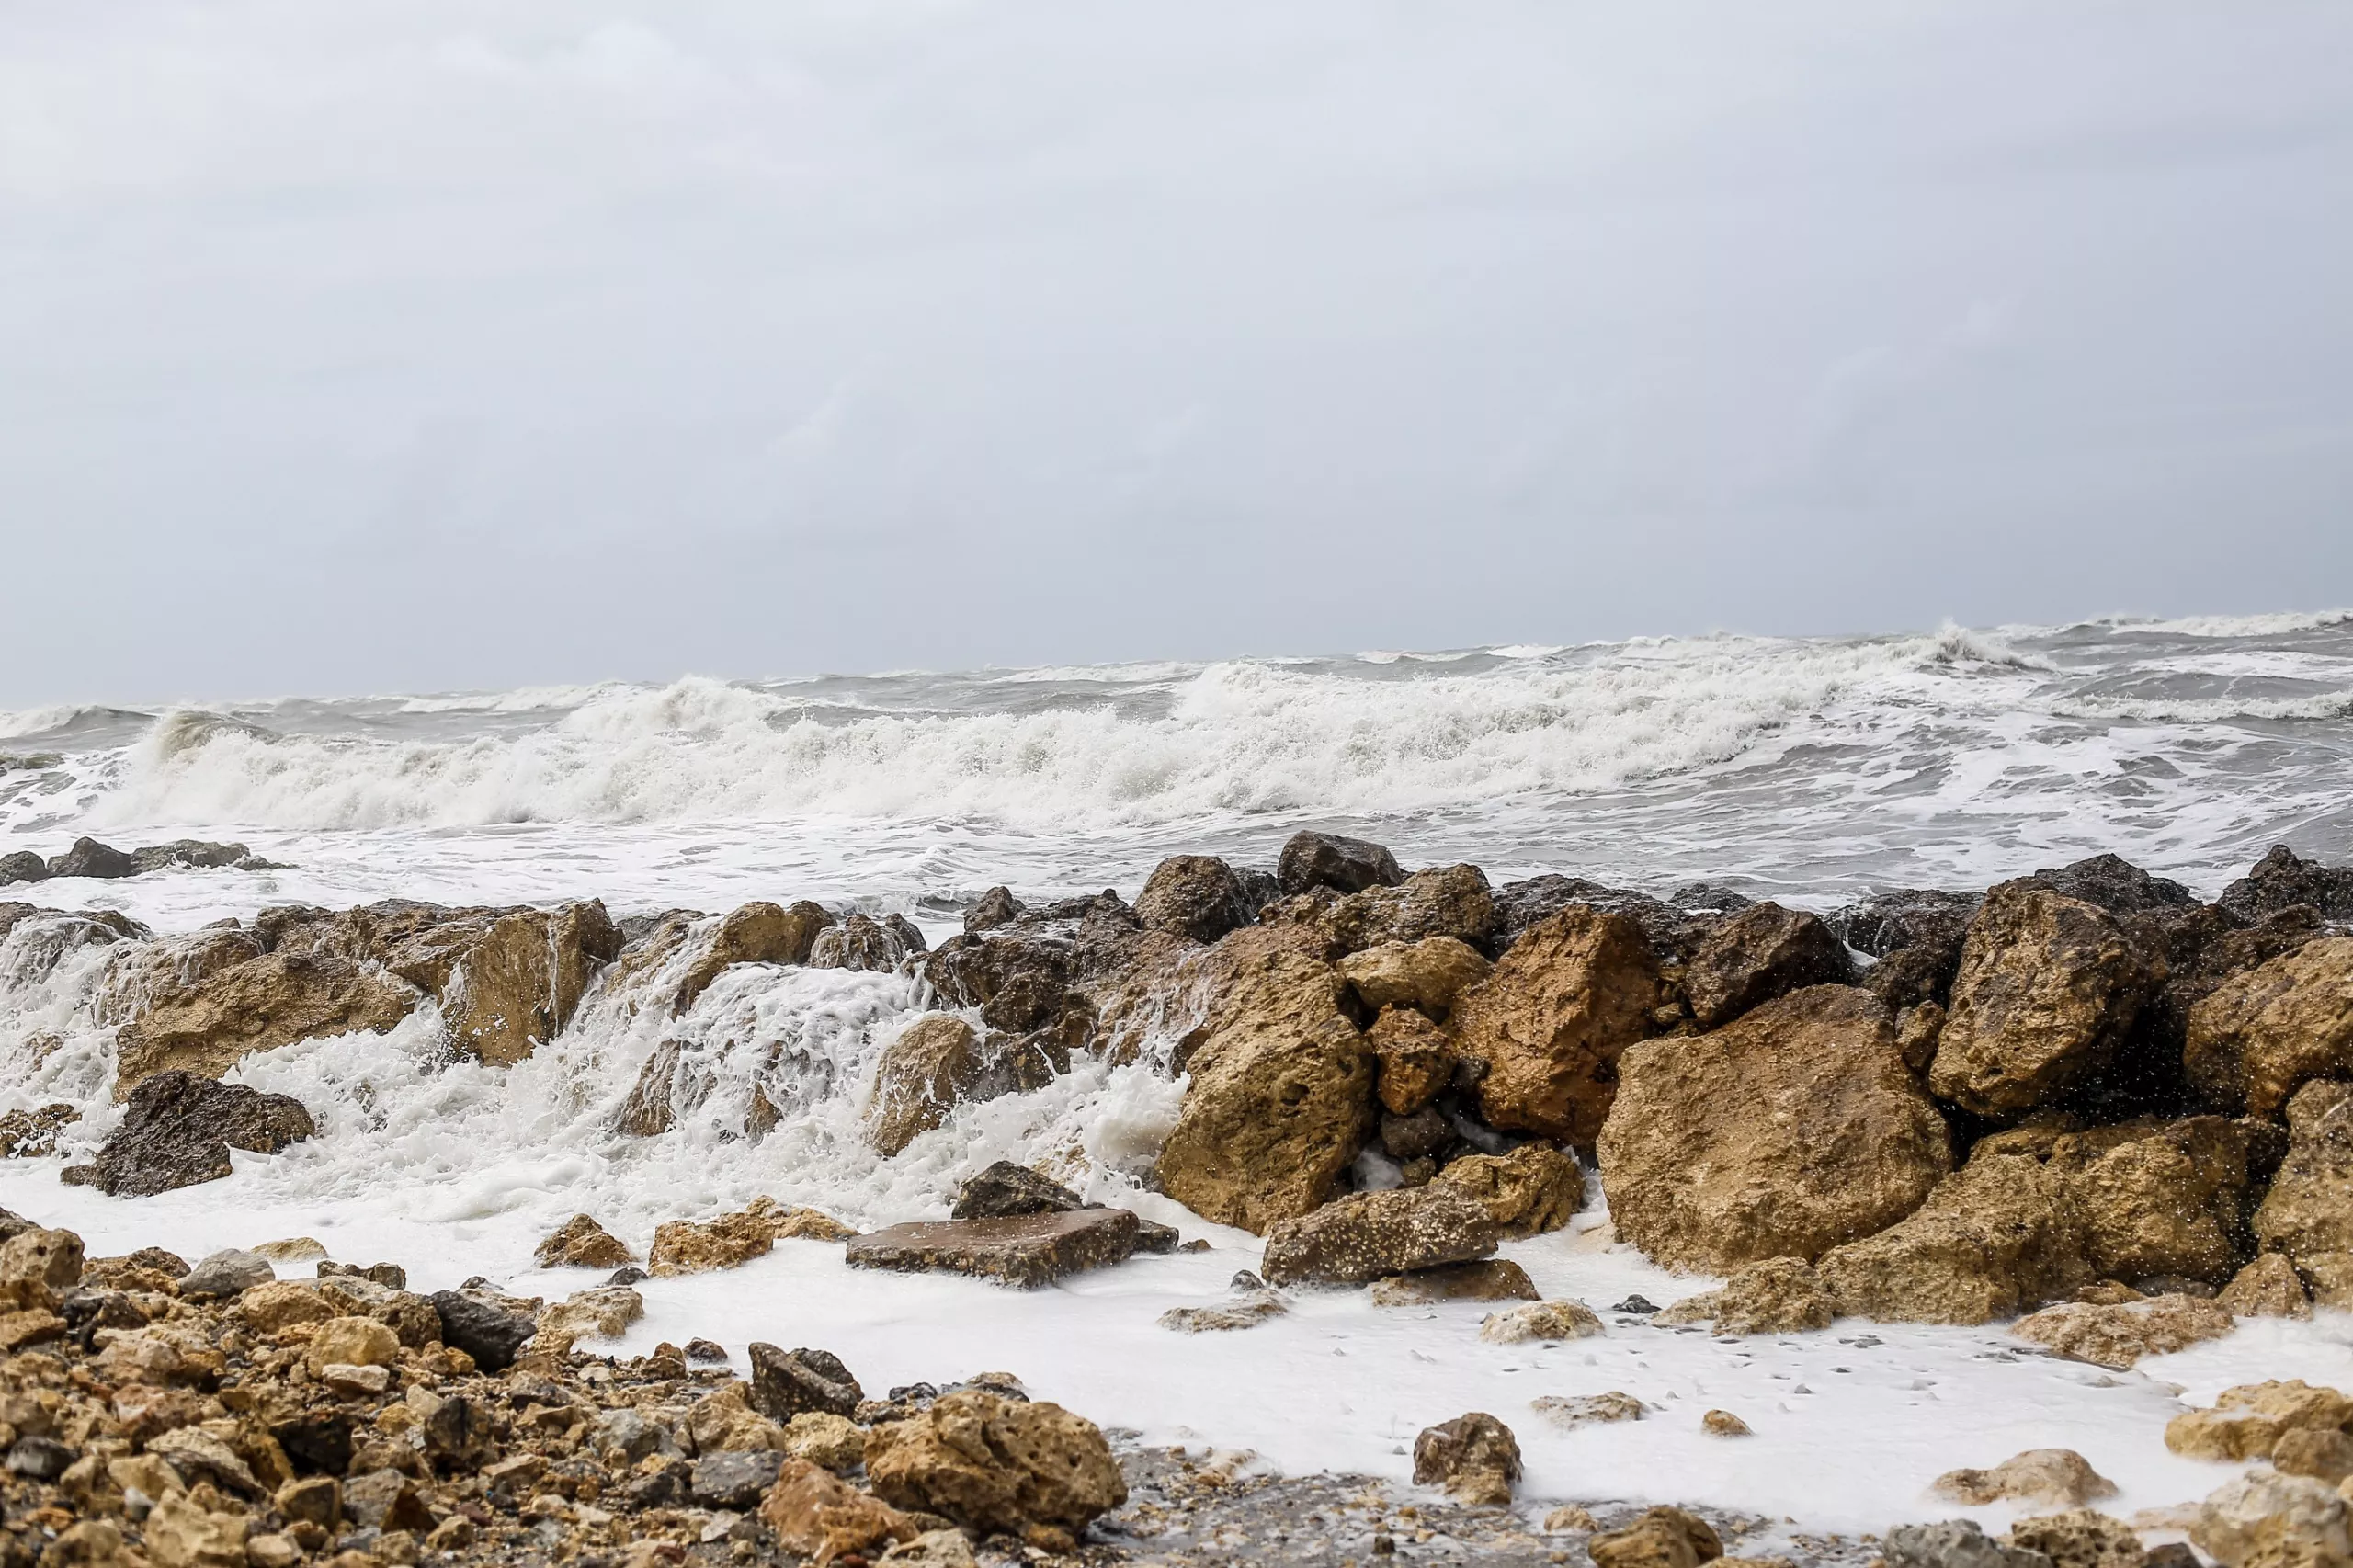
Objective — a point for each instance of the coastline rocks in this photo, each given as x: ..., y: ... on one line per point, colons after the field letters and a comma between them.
x: 178, y: 1129
x: 1443, y: 901
x: 581, y: 1242
x: 1006, y: 1189
x: 265, y: 1002
x: 991, y: 1463
x: 861, y: 942
x: 1327, y: 860
x: 1024, y: 1250
x: 1363, y: 1237
x: 2282, y: 880
x: 2260, y: 1034
x: 491, y: 1334
x: 1281, y: 1097
x: 684, y: 1247
x: 1662, y: 1537
x: 817, y: 1515
x: 2168, y: 1198
x: 2308, y: 1213
x: 1553, y: 1019
x: 88, y: 857
x: 2249, y: 1421
x: 786, y: 1383
x: 1474, y: 1457
x: 1760, y: 953
x: 1779, y: 1295
x: 1539, y: 1320
x: 2267, y: 1519
x: 2059, y: 1477
x: 33, y: 1134
x: 1415, y: 1060
x: 2116, y: 1334
x: 2268, y: 1288
x: 1495, y: 1280
x: 225, y: 1275
x: 938, y: 1062
x: 1527, y: 1192
x: 1788, y: 1131
x: 2047, y: 990
x: 1427, y: 975
x: 1955, y: 1543
x: 758, y: 932
x: 1197, y: 897
x: 518, y: 986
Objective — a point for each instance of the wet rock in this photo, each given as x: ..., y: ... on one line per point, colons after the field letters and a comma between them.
x: 190, y: 854
x: 2079, y: 1538
x: 682, y: 1246
x: 1281, y: 1092
x: 2324, y: 1456
x: 2282, y: 880
x: 1777, y: 1295
x: 1017, y: 975
x: 2059, y: 1477
x: 269, y: 1000
x: 1474, y: 1457
x: 604, y: 1313
x: 1552, y: 1021
x: 2268, y: 1288
x: 581, y: 1242
x: 2048, y: 989
x: 754, y: 932
x: 991, y: 1463
x: 2248, y: 1421
x: 88, y: 857
x: 1427, y: 975
x: 1415, y: 1060
x: 2262, y: 1033
x: 1955, y: 1543
x: 2308, y: 1213
x: 1024, y: 1250
x: 1006, y: 1188
x: 736, y: 1479
x: 1451, y: 902
x: 1247, y: 1310
x: 2119, y: 1333
x: 32, y: 1134
x: 178, y: 1129
x: 938, y: 1062
x: 1725, y: 1424
x: 226, y: 1274
x: 1789, y: 1132
x: 1541, y: 1321
x: 518, y: 985
x: 1889, y: 922
x: 2168, y: 1198
x: 993, y: 908
x: 1422, y: 1136
x: 786, y: 1383
x: 22, y: 866
x: 1359, y: 1238
x: 1661, y: 1538
x: 1763, y: 953
x: 1327, y: 860
x: 491, y: 1334
x: 651, y: 1109
x: 862, y: 942
x: 1495, y: 1280
x: 2266, y: 1519
x: 1527, y: 1192
x: 818, y: 1516
x: 2115, y: 884
x: 2203, y: 954
x: 1198, y: 897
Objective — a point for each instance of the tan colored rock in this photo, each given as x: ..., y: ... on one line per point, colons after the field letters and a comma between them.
x: 990, y: 1463
x: 723, y: 1421
x: 2047, y: 990
x: 1282, y: 1091
x: 1495, y: 1280
x: 754, y: 932
x: 2329, y: 1277
x: 1359, y: 1238
x: 292, y: 1249
x: 2166, y: 1197
x: 1527, y: 1192
x: 2324, y: 1456
x: 2309, y: 1210
x: 2268, y: 1288
x: 1474, y: 1457
x: 1570, y: 1518
x: 1780, y: 1295
x: 581, y: 1242
x: 262, y: 1003
x: 1542, y: 1320
x: 815, y: 1514
x: 1662, y: 1537
x: 281, y: 1304
x: 938, y: 1062
x: 794, y: 1222
x: 2117, y: 1336
x: 1416, y: 1060
x: 519, y: 987
x: 824, y: 1438
x: 1789, y: 1132
x: 1575, y: 990
x: 1427, y: 975
x: 1247, y: 1311
x: 2248, y: 1421
x: 1569, y: 1411
x: 651, y: 1106
x: 1443, y: 901
x: 730, y: 1240
x: 2260, y: 1034
x: 1994, y: 1238
x: 2266, y: 1519
x: 351, y: 1342
x: 37, y: 1266
x: 180, y: 1535
x: 605, y: 1312
x: 2079, y: 1538
x: 1725, y: 1424
x: 2061, y: 1477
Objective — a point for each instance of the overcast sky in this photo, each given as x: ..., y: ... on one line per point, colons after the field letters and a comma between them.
x: 407, y: 344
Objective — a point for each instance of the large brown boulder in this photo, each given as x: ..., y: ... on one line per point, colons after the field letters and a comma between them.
x: 2168, y: 1198
x: 2282, y: 880
x: 2308, y: 1213
x: 1370, y: 1235
x: 1787, y: 1132
x: 2203, y: 953
x: 2260, y: 1034
x: 264, y: 1003
x: 1527, y: 1192
x: 519, y: 987
x: 1194, y: 896
x: 1443, y: 900
x: 177, y: 1131
x: 1576, y: 989
x: 2048, y: 989
x: 1327, y: 860
x: 756, y: 933
x: 996, y: 1464
x: 938, y: 1062
x: 1281, y: 1097
x: 1760, y: 953
x: 1427, y: 975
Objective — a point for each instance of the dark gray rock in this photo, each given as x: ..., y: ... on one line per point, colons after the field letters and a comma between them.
x: 22, y: 866
x: 38, y: 1458
x: 318, y: 1440
x: 88, y: 857
x: 194, y: 854
x: 492, y: 1335
x: 2280, y: 881
x: 229, y: 1272
x: 1026, y: 1249
x: 736, y: 1478
x: 1762, y: 952
x: 178, y: 1129
x: 1195, y: 896
x: 1954, y: 1543
x: 1006, y: 1189
x: 1889, y: 922
x: 2115, y: 884
x: 787, y: 1383
x: 391, y: 1276
x: 1328, y: 860
x: 997, y: 907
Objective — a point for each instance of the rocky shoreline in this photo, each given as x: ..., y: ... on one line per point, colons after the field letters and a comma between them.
x: 2082, y: 1099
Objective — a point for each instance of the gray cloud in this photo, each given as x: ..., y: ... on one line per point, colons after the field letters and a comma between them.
x: 394, y: 346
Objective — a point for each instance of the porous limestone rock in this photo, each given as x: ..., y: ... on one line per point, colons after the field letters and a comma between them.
x: 1788, y: 1131
x: 581, y: 1242
x: 1539, y: 1320
x: 1760, y: 953
x: 2059, y: 1477
x: 1552, y: 1021
x: 2048, y: 989
x: 2118, y: 1334
x: 261, y: 1004
x: 1024, y: 1250
x: 2268, y: 1288
x: 1474, y: 1457
x: 1365, y: 1235
x: 1194, y: 897
x: 2079, y: 1538
x: 1327, y: 860
x: 2265, y: 1519
x: 2248, y: 1421
x: 817, y: 1515
x: 2308, y: 1213
x: 1427, y: 975
x: 1777, y: 1295
x: 2262, y: 1033
x: 518, y: 986
x: 1492, y: 1279
x: 1569, y: 1411
x: 177, y: 1131
x: 991, y: 1463
x: 1527, y: 1192
x: 730, y: 1240
x: 1416, y: 1060
x: 1662, y: 1537
x: 938, y: 1062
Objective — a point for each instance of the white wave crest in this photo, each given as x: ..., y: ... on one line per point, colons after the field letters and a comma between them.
x: 1245, y: 736
x: 2276, y: 624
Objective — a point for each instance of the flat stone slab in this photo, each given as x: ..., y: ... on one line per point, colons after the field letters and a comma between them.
x: 1020, y: 1249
